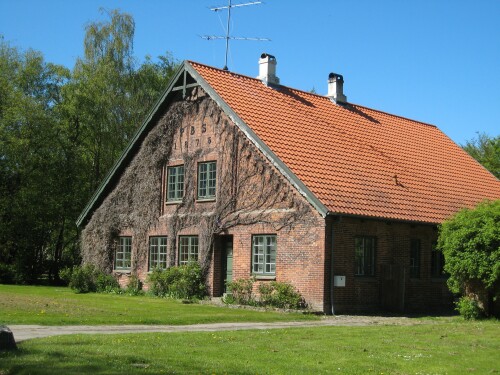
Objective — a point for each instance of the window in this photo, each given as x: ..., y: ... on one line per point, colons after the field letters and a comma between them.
x: 157, y: 252
x: 175, y: 183
x: 437, y: 263
x: 264, y: 255
x: 188, y: 249
x: 123, y: 252
x: 365, y: 256
x: 206, y: 180
x: 415, y: 258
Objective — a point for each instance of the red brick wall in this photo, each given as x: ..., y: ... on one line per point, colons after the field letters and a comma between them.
x: 365, y: 293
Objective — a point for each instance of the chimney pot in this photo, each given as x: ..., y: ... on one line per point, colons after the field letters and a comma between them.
x: 336, y: 88
x: 267, y: 69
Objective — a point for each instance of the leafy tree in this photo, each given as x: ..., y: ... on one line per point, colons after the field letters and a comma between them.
x: 60, y: 133
x: 108, y: 96
x: 486, y: 150
x: 470, y: 241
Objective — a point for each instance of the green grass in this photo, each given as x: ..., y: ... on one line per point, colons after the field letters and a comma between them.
x: 454, y: 347
x: 61, y: 306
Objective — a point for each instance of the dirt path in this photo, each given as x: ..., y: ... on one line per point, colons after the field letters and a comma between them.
x: 26, y: 332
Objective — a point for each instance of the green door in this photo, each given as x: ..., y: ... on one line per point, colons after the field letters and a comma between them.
x: 227, y: 261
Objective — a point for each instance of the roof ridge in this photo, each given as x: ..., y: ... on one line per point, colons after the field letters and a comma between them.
x: 392, y: 114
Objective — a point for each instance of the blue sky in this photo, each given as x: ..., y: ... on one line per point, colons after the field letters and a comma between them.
x: 436, y: 61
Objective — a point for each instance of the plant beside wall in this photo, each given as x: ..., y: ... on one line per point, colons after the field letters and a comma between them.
x: 470, y: 242
x: 87, y: 279
x: 183, y: 282
x: 273, y: 294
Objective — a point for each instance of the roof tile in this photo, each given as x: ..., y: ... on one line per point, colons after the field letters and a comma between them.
x: 354, y: 159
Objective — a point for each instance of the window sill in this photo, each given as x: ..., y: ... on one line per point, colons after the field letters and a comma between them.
x: 264, y: 277
x: 122, y: 272
x: 203, y: 200
x: 169, y: 203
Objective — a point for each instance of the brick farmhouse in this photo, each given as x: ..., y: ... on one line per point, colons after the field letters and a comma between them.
x: 255, y: 179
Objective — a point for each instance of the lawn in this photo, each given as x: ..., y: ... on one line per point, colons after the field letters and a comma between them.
x: 61, y: 306
x: 449, y: 347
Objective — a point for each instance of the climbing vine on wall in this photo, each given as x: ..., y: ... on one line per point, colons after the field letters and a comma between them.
x: 249, y: 190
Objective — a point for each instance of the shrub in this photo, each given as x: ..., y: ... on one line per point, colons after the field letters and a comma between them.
x: 7, y: 273
x: 280, y: 294
x: 178, y: 282
x: 87, y: 279
x: 469, y: 308
x: 134, y: 287
x: 241, y: 291
x: 83, y: 279
x: 106, y: 283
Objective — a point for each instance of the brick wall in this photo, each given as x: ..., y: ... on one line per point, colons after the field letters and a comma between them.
x: 368, y: 293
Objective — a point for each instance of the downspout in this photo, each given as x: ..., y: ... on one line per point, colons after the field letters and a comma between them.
x: 331, y: 272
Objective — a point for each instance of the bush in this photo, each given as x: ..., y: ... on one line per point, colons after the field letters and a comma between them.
x: 280, y: 294
x: 469, y: 309
x: 134, y: 287
x: 87, y: 278
x: 241, y: 291
x: 106, y: 283
x: 82, y: 279
x: 184, y: 282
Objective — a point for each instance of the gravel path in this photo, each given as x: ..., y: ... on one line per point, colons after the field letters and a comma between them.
x: 25, y: 332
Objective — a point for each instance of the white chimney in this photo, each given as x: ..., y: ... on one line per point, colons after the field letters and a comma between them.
x: 336, y: 88
x: 267, y: 70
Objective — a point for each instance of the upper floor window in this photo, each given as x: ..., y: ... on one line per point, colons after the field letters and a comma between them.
x: 157, y: 252
x: 188, y: 249
x: 175, y: 183
x: 207, y: 175
x: 264, y: 255
x: 415, y: 258
x: 123, y: 254
x: 364, y: 248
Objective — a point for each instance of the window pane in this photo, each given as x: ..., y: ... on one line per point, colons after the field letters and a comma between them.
x: 123, y: 253
x: 175, y: 186
x: 188, y: 249
x: 207, y: 180
x: 264, y: 254
x: 364, y: 256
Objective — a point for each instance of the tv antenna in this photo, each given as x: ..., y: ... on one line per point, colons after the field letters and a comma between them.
x: 229, y: 6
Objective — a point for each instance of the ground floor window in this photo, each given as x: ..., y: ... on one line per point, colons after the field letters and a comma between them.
x: 437, y: 263
x: 415, y: 258
x: 364, y: 256
x: 188, y: 249
x: 264, y: 255
x: 123, y: 253
x: 157, y: 252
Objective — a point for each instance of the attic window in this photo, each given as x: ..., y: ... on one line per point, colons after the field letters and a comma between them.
x: 175, y: 183
x: 207, y: 176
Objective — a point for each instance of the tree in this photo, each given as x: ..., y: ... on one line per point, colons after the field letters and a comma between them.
x: 470, y: 241
x: 486, y: 150
x: 60, y: 133
x: 30, y: 160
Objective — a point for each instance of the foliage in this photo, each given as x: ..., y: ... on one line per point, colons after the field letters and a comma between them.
x: 183, y: 282
x: 240, y: 291
x: 134, y: 287
x: 486, y: 150
x: 470, y: 241
x: 469, y: 308
x: 87, y: 278
x: 281, y: 295
x: 60, y: 133
x: 455, y: 347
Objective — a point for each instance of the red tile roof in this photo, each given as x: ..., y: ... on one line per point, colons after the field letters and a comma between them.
x: 354, y: 159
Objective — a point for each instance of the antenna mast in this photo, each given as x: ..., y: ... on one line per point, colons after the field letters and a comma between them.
x: 229, y: 6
